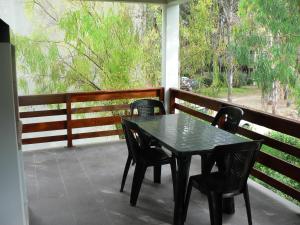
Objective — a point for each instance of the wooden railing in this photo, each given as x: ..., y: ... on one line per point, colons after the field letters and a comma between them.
x: 283, y: 125
x: 69, y: 123
x: 114, y: 109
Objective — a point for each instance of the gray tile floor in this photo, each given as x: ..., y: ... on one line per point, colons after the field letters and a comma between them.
x: 80, y: 186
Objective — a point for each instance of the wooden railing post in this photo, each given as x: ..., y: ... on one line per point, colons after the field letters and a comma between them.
x: 69, y: 120
x: 162, y: 94
x: 172, y: 101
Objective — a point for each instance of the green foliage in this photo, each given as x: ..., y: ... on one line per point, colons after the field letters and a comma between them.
x: 151, y: 47
x: 288, y: 140
x: 296, y: 93
x: 197, y: 30
x: 267, y: 41
x: 91, y: 46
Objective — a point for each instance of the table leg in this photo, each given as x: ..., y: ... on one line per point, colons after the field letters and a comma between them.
x: 183, y: 164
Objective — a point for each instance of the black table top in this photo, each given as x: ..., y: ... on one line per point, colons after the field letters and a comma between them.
x: 184, y: 134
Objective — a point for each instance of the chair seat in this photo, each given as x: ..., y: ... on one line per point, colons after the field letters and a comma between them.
x: 155, y: 155
x: 215, y: 182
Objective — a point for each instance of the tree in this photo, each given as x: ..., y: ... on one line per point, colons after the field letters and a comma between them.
x: 267, y: 40
x: 228, y: 14
x: 88, y: 47
x: 201, y: 43
x: 206, y: 40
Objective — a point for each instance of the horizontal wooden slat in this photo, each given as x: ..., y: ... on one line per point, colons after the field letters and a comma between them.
x: 279, y: 165
x: 100, y: 108
x: 274, y: 122
x: 31, y: 100
x: 197, y: 99
x: 114, y: 95
x: 194, y: 112
x: 91, y: 122
x: 37, y: 140
x: 44, y: 126
x: 55, y: 112
x: 281, y: 124
x: 277, y: 184
x: 97, y: 134
x: 292, y: 150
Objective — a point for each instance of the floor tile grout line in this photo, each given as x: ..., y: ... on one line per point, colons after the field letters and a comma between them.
x: 65, y: 188
x: 89, y: 180
x: 36, y: 176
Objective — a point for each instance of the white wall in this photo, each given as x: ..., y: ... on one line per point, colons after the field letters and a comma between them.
x: 12, y: 12
x: 12, y: 196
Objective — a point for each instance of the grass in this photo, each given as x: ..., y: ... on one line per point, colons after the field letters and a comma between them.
x: 240, y: 91
x: 222, y: 92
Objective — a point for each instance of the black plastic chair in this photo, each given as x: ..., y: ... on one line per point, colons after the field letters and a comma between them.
x: 227, y: 118
x: 145, y: 108
x: 229, y: 181
x: 144, y: 156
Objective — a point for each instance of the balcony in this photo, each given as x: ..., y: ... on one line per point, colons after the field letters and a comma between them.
x: 80, y: 184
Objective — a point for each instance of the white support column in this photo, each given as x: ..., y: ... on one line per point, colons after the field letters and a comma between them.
x: 13, y: 204
x: 170, y: 48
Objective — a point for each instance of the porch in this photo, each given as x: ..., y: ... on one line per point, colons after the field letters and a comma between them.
x: 81, y: 186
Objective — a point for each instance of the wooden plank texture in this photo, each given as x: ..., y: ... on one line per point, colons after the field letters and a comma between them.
x: 276, y: 184
x: 91, y: 122
x: 37, y: 140
x: 44, y: 126
x: 97, y: 134
x: 279, y: 165
x: 114, y: 95
x: 42, y: 113
x: 289, y: 149
x: 31, y: 100
x: 105, y: 108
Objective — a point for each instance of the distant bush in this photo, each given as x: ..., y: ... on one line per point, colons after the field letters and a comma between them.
x: 288, y: 140
x: 242, y: 79
x: 285, y: 138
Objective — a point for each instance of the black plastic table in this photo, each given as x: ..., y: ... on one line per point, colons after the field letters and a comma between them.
x: 184, y: 136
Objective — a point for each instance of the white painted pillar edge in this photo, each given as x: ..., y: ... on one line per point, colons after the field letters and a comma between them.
x: 170, y: 48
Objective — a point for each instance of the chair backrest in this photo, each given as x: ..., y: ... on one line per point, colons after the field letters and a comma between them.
x: 135, y: 138
x: 238, y: 161
x: 146, y: 107
x: 228, y: 118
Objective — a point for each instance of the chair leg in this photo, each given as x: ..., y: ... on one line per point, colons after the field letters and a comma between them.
x: 207, y: 163
x: 203, y: 165
x: 187, y: 199
x: 247, y: 202
x: 157, y: 174
x: 215, y: 208
x: 174, y: 177
x: 127, y: 165
x: 139, y: 173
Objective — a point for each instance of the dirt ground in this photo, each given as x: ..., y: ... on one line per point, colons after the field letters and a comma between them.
x: 254, y: 101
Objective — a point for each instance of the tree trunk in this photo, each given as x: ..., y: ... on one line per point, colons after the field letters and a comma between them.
x: 229, y: 81
x: 229, y: 66
x: 274, y: 96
